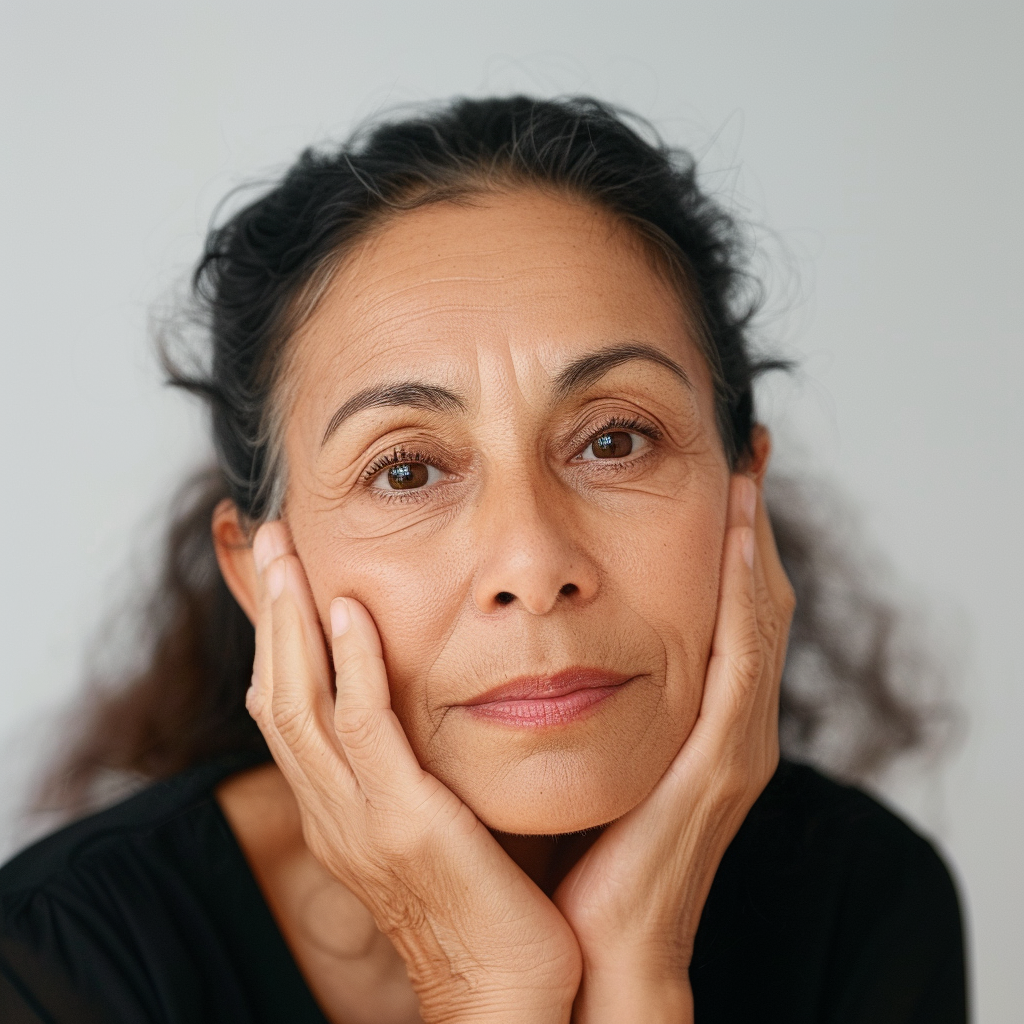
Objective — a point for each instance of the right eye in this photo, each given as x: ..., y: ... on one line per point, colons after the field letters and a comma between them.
x: 406, y: 476
x: 613, y: 444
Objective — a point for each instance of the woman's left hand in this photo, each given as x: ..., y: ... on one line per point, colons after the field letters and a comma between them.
x: 635, y: 898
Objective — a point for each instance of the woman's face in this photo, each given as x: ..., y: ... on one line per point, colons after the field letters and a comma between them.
x: 501, y: 439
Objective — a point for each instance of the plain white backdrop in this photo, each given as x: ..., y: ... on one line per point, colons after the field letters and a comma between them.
x: 881, y: 144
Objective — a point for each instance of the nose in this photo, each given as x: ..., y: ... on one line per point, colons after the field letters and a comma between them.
x: 533, y: 552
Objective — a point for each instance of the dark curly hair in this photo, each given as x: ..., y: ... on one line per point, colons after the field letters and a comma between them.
x: 263, y: 271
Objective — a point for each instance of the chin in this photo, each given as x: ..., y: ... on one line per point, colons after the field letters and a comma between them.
x: 550, y: 794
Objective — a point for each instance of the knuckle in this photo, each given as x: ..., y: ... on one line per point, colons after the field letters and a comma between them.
x: 733, y: 782
x: 359, y: 729
x: 743, y: 779
x: 293, y: 721
x: 746, y: 597
x: 771, y: 628
x: 749, y: 662
x: 787, y: 600
x: 256, y: 704
x: 347, y: 659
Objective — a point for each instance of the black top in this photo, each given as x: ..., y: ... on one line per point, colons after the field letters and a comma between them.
x: 826, y: 908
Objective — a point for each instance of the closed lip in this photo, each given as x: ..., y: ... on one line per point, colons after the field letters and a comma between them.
x: 533, y: 688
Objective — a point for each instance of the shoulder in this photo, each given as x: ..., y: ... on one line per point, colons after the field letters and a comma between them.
x: 111, y: 903
x: 840, y: 904
x: 844, y: 838
x: 109, y: 831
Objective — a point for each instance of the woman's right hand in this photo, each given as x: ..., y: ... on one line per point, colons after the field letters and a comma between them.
x: 481, y: 942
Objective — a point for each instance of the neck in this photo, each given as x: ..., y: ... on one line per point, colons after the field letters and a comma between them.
x: 547, y: 859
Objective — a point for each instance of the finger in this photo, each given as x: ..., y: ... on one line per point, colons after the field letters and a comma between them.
x: 773, y: 618
x: 736, y: 659
x: 374, y: 742
x: 746, y: 508
x: 775, y: 574
x: 742, y: 501
x: 745, y: 511
x: 776, y: 600
x: 300, y: 701
x: 271, y: 541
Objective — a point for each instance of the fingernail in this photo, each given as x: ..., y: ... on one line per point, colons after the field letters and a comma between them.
x: 748, y: 499
x: 340, y: 618
x: 748, y: 548
x: 275, y: 579
x: 266, y: 547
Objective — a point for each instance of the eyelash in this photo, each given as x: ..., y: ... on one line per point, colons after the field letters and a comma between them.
x: 398, y: 456
x: 394, y: 458
x: 637, y: 426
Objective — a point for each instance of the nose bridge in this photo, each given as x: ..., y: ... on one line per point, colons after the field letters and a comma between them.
x: 529, y: 553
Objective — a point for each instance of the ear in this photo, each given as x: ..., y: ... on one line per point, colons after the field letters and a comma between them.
x: 234, y: 556
x: 756, y: 464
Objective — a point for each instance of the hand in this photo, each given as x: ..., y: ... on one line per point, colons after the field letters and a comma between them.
x: 634, y: 899
x: 481, y: 942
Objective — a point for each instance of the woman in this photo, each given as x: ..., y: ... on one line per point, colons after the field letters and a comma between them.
x: 490, y: 522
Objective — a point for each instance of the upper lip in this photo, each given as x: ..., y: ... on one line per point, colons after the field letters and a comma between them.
x: 558, y: 685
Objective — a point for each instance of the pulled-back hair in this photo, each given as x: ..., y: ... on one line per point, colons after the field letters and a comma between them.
x: 262, y: 273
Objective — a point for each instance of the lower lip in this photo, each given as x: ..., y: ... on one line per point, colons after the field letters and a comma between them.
x: 535, y: 712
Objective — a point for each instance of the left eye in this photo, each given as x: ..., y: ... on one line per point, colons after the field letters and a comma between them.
x: 406, y: 476
x: 613, y: 444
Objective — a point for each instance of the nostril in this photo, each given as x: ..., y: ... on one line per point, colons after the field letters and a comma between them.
x: 569, y: 588
x: 505, y: 597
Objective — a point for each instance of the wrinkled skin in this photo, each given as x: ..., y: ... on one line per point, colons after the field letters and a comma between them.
x: 521, y: 548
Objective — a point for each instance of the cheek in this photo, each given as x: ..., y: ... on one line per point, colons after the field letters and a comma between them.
x: 414, y: 592
x: 671, y: 583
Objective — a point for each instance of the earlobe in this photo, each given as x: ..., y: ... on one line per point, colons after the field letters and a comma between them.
x: 234, y: 556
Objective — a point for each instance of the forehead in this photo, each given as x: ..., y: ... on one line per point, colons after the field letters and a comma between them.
x: 511, y: 284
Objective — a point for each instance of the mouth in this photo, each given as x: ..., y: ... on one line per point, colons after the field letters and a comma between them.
x: 538, y: 701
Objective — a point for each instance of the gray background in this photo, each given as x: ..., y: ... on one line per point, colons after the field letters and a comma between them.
x: 879, y: 145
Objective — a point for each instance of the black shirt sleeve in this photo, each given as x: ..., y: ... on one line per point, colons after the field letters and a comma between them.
x: 32, y: 992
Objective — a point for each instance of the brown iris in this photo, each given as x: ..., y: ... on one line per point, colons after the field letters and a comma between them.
x: 612, y: 445
x: 407, y: 474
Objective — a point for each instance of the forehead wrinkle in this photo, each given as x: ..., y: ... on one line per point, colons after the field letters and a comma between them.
x: 365, y: 322
x: 376, y: 263
x: 422, y: 253
x: 382, y: 314
x: 366, y: 302
x: 372, y: 264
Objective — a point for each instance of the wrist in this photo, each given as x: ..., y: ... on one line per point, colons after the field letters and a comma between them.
x: 460, y: 976
x: 454, y: 994
x: 637, y: 981
x: 483, y: 1003
x: 611, y: 996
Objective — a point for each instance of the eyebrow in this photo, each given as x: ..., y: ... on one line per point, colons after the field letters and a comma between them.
x: 577, y: 376
x: 410, y: 393
x: 587, y: 370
